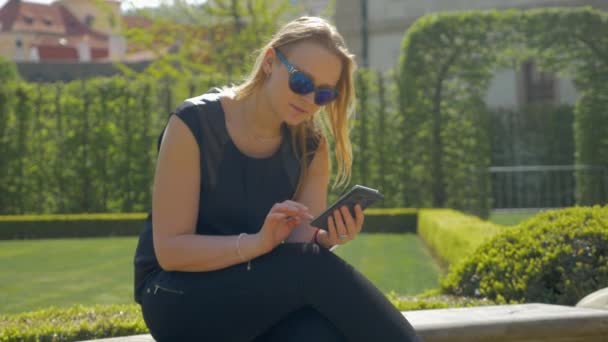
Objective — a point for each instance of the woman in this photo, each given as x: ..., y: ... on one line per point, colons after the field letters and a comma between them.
x: 227, y: 253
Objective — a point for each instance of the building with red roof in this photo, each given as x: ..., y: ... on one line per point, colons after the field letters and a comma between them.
x: 63, y: 31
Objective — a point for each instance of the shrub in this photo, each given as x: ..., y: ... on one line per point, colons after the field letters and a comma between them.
x: 555, y: 257
x: 390, y: 220
x: 433, y: 299
x: 72, y: 225
x: 453, y: 235
x: 76, y: 323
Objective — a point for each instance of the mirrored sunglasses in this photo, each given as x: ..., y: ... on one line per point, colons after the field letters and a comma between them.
x: 302, y: 84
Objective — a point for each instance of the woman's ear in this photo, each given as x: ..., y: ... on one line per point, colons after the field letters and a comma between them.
x: 268, y: 61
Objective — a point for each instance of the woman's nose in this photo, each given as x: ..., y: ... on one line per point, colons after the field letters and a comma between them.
x: 310, y: 97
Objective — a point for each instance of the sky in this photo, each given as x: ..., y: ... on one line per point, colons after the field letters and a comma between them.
x: 126, y: 4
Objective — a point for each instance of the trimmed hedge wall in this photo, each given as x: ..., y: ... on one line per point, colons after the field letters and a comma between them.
x: 446, y: 66
x: 67, y: 226
x: 397, y: 220
x: 99, y: 225
x: 453, y: 235
x: 556, y: 257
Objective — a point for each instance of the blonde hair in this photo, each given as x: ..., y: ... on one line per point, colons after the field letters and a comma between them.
x: 316, y: 30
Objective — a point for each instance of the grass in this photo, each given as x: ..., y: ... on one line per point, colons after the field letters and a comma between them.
x: 393, y: 262
x: 41, y: 273
x: 511, y: 218
x: 36, y: 274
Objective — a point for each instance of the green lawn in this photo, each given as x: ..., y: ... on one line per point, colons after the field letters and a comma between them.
x: 398, y: 262
x: 62, y: 272
x: 40, y: 273
x: 511, y: 218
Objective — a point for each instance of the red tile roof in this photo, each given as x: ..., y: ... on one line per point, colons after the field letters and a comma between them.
x: 58, y: 31
x: 22, y: 16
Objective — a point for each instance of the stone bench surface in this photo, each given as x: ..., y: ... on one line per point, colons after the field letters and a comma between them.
x: 520, y: 322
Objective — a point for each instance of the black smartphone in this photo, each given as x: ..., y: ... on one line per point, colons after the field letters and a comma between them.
x: 357, y: 195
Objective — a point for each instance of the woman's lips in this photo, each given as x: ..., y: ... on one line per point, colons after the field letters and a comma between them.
x: 298, y: 109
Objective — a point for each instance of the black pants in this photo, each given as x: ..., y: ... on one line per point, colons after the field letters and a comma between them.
x: 297, y: 292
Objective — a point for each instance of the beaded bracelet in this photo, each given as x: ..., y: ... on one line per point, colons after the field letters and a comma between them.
x: 238, y: 250
x: 314, y: 237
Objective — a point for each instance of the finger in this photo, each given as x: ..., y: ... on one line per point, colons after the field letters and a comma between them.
x: 293, y: 221
x: 333, y: 237
x: 289, y: 206
x: 278, y: 217
x: 341, y: 229
x: 296, y: 204
x: 359, y: 217
x: 304, y: 211
x: 291, y: 211
x: 349, y: 222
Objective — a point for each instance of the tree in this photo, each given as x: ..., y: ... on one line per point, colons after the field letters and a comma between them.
x: 218, y: 37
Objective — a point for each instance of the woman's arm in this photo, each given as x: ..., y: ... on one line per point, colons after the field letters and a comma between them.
x: 175, y: 205
x: 342, y: 226
x: 314, y: 192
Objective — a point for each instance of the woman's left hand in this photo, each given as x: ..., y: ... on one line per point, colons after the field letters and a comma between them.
x: 343, y: 227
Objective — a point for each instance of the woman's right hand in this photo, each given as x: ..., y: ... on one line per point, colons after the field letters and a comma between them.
x: 281, y: 220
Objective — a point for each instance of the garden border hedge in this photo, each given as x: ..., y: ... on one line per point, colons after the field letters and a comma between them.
x: 104, y: 225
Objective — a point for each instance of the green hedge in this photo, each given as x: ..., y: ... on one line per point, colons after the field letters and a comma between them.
x: 73, y: 225
x: 80, y: 322
x: 397, y: 220
x: 76, y: 323
x: 555, y: 257
x: 446, y: 66
x: 101, y: 225
x: 452, y: 235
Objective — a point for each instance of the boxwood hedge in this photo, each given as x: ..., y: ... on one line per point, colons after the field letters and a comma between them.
x: 70, y: 225
x: 452, y: 235
x: 557, y: 257
x: 398, y: 220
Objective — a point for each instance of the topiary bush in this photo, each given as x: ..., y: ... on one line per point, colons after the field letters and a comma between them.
x: 556, y: 257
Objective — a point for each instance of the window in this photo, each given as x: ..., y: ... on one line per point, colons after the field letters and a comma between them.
x: 18, y: 43
x: 539, y: 87
x: 89, y: 20
x: 28, y: 20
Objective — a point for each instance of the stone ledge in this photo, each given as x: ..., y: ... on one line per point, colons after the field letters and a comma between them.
x: 521, y: 322
x: 595, y: 300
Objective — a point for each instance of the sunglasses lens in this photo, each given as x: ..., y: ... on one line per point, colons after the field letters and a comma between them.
x: 325, y: 96
x: 300, y: 83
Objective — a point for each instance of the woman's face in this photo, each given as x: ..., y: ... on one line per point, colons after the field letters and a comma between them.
x: 321, y: 65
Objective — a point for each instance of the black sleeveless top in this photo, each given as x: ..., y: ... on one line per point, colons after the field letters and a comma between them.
x: 237, y: 191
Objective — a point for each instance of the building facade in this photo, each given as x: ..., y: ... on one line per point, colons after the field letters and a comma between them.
x: 65, y: 30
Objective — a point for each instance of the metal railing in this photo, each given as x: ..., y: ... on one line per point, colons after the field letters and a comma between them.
x: 544, y: 186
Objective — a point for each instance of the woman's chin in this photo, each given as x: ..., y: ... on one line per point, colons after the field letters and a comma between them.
x: 295, y: 119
